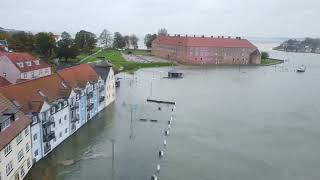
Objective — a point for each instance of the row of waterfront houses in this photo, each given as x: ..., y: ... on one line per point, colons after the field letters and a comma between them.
x: 39, y: 114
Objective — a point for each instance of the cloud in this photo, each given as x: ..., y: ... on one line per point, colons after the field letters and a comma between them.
x: 289, y: 18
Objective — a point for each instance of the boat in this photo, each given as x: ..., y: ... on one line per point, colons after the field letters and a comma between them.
x: 174, y: 74
x: 302, y: 68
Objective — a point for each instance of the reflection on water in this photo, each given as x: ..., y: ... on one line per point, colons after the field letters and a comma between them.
x: 256, y: 123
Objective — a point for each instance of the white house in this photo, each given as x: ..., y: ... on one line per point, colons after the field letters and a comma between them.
x: 15, y: 142
x: 46, y: 102
x: 21, y: 66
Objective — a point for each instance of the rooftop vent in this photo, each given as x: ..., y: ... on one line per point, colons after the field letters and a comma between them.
x: 211, y: 36
x: 202, y: 36
x: 41, y: 94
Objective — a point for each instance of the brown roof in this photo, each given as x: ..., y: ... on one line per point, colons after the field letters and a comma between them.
x: 23, y: 57
x: 15, y: 128
x: 78, y: 76
x: 204, y: 42
x: 31, y: 94
x: 4, y: 82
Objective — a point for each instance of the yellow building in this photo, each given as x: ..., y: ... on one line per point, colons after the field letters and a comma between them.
x: 15, y: 142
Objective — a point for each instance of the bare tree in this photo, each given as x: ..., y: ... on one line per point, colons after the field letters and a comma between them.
x: 134, y: 41
x: 162, y: 32
x: 105, y: 38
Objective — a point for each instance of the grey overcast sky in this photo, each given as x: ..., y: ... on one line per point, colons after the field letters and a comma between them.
x: 259, y: 18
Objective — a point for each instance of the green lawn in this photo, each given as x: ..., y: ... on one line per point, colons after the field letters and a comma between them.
x: 270, y: 61
x: 120, y: 64
x: 80, y: 56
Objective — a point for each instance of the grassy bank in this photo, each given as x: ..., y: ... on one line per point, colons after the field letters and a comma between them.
x: 269, y: 62
x: 120, y: 64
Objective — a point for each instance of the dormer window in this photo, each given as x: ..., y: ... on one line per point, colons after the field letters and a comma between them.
x: 20, y: 64
x: 36, y: 62
x: 28, y: 63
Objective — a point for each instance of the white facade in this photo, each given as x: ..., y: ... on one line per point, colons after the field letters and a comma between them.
x: 16, y: 157
x: 10, y: 71
x: 110, y: 88
x: 36, y: 73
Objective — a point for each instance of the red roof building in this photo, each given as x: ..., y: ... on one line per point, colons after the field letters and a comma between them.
x: 30, y: 95
x: 79, y: 76
x: 206, y: 50
x: 21, y: 66
x: 4, y: 82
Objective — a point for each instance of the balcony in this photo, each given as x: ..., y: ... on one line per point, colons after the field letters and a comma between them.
x: 49, y: 136
x: 75, y: 119
x: 47, y: 148
x: 101, y: 88
x: 90, y: 95
x: 47, y: 123
x: 74, y: 106
x: 101, y: 99
x: 90, y: 106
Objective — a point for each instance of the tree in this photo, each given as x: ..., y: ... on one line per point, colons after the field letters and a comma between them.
x: 105, y: 38
x: 65, y: 35
x: 148, y: 40
x: 118, y: 41
x: 67, y: 48
x: 127, y: 41
x: 85, y: 40
x: 162, y: 32
x: 21, y: 41
x: 264, y: 55
x: 134, y: 41
x: 44, y: 43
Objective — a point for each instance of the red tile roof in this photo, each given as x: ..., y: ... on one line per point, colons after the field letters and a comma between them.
x: 204, y: 42
x: 15, y: 128
x: 24, y: 57
x: 4, y: 82
x: 28, y: 96
x: 78, y: 76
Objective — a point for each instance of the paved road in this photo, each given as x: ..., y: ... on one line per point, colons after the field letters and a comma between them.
x: 82, y: 60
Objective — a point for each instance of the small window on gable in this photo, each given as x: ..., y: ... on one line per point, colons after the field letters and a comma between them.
x: 28, y: 63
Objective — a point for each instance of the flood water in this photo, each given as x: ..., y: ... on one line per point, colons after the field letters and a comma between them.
x: 230, y: 123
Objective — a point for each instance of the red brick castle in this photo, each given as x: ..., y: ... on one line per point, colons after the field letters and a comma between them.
x: 206, y: 50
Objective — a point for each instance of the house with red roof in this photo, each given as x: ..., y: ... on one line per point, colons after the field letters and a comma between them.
x: 90, y: 89
x: 206, y: 50
x: 46, y: 101
x: 18, y: 66
x: 15, y: 141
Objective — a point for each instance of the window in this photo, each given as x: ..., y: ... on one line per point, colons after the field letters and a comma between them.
x: 5, y: 124
x: 9, y: 168
x: 40, y: 72
x: 25, y: 75
x: 27, y: 147
x: 60, y: 134
x: 36, y: 153
x: 55, y: 139
x: 20, y: 155
x: 60, y: 121
x: 65, y: 117
x: 7, y: 149
x: 46, y: 71
x: 26, y: 131
x: 66, y: 131
x: 35, y: 137
x: 37, y: 62
x: 28, y: 163
x: 22, y: 171
x: 19, y: 138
